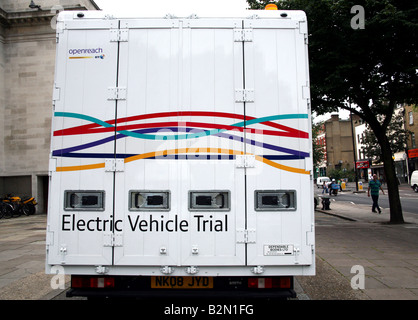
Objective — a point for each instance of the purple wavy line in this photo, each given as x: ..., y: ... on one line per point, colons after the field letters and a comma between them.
x: 175, y: 129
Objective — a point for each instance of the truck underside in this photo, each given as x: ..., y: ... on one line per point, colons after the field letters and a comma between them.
x: 144, y: 287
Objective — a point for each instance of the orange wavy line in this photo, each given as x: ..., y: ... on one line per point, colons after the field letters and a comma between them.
x: 186, y: 150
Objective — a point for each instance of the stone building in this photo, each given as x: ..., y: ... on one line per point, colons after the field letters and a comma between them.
x: 339, y: 143
x: 27, y: 63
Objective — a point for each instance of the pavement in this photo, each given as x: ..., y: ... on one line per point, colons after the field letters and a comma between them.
x: 351, y: 240
x: 353, y: 246
x: 22, y: 258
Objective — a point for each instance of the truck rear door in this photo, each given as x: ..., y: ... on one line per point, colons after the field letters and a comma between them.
x: 80, y: 222
x: 180, y: 129
x: 278, y: 186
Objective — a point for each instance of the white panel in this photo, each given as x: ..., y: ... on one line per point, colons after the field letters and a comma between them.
x: 212, y: 70
x: 149, y: 71
x: 275, y: 64
x: 86, y: 67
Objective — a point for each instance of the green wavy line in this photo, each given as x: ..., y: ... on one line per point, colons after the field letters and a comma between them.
x: 184, y: 136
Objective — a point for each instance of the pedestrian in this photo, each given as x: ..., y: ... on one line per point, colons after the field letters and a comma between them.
x: 374, y: 186
x: 324, y: 187
x: 333, y: 187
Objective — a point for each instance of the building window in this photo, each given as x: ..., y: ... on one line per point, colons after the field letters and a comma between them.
x: 411, y: 117
x: 414, y: 145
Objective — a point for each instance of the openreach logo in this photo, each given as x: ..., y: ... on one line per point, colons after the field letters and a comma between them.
x: 92, y: 53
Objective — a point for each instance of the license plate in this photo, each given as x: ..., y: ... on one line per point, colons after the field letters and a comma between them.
x: 182, y: 282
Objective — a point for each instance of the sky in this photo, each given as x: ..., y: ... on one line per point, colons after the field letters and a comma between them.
x: 159, y: 8
x: 343, y: 114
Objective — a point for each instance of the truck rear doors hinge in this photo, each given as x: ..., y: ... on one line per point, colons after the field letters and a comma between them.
x: 52, y: 166
x: 245, y: 161
x: 310, y: 236
x: 114, y: 165
x: 119, y: 35
x: 244, y: 95
x: 113, y: 240
x: 243, y: 35
x: 246, y: 236
x: 116, y: 93
x: 306, y: 92
x: 56, y: 93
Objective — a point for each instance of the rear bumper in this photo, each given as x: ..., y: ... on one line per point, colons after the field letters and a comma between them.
x: 139, y: 287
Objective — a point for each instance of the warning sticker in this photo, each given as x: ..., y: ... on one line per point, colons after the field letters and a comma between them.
x: 278, y: 249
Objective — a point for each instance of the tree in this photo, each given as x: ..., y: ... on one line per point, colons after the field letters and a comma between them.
x: 367, y: 70
x: 397, y: 136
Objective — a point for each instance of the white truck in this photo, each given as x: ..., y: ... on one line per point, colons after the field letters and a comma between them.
x: 181, y: 155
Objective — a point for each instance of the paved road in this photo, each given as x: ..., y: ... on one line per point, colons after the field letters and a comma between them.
x: 409, y: 201
x: 22, y: 258
x: 409, y: 198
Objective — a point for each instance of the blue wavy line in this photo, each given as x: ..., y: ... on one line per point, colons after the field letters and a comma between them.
x: 299, y: 154
x: 174, y: 156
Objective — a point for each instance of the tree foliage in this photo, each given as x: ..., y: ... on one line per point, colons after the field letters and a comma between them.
x: 396, y: 134
x: 368, y: 71
x: 339, y: 174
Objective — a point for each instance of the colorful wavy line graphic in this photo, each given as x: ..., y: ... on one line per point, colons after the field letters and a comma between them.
x: 185, y: 151
x: 69, y: 151
x: 193, y: 130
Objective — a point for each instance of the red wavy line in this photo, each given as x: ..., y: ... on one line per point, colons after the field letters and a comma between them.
x: 95, y: 128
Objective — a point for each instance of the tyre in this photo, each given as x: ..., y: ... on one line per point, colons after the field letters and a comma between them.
x: 17, y: 210
x: 7, y: 211
x: 26, y: 209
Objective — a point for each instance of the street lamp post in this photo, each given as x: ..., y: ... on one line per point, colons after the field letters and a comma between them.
x: 354, y: 149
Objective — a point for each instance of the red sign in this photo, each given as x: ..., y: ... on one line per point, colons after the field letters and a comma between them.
x: 413, y: 153
x: 362, y: 164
